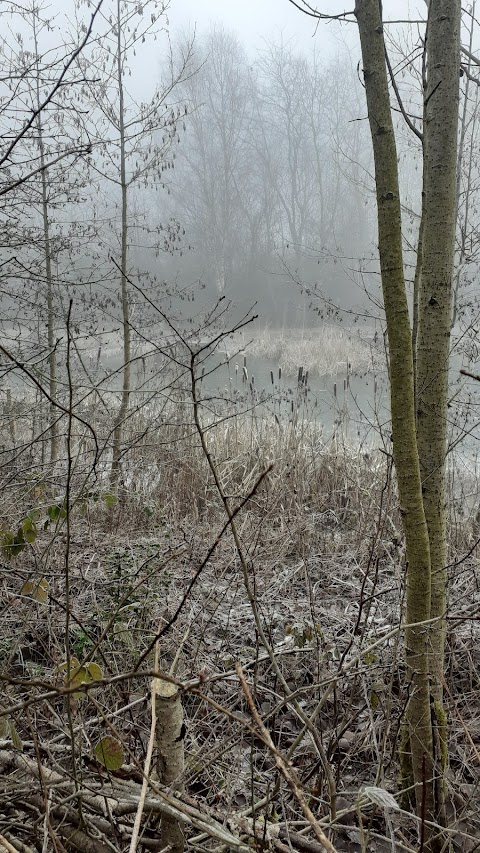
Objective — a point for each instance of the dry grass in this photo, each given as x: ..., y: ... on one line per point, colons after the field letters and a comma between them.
x: 322, y: 539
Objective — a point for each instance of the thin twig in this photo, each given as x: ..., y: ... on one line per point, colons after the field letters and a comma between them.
x: 146, y: 768
x: 287, y: 772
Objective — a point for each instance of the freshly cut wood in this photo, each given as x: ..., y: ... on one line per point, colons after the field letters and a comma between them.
x: 169, y: 734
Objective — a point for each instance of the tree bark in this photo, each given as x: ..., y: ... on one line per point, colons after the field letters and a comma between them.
x: 368, y: 14
x: 435, y: 313
x: 465, y: 122
x: 126, y: 375
x: 171, y: 759
x: 52, y: 355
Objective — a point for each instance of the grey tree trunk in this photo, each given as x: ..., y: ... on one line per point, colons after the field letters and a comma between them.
x: 463, y: 216
x: 52, y: 355
x: 420, y: 732
x: 420, y: 450
x: 435, y: 313
x: 126, y: 376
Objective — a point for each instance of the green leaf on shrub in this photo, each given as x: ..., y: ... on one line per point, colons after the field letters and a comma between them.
x: 109, y: 753
x: 94, y: 671
x: 12, y: 543
x: 56, y: 511
x: 53, y: 512
x: 4, y: 726
x: 74, y: 664
x: 78, y: 676
x: 9, y: 732
x: 29, y: 530
x: 37, y: 589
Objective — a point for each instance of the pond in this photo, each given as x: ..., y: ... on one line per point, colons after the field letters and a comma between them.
x: 353, y: 405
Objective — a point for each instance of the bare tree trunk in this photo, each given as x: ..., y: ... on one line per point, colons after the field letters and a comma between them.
x: 464, y: 122
x: 171, y: 758
x: 435, y: 313
x: 122, y: 412
x: 416, y: 301
x: 52, y: 356
x: 402, y: 406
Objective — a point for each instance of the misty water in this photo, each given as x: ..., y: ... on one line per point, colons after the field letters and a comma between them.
x: 350, y: 406
x: 353, y: 406
x: 347, y: 404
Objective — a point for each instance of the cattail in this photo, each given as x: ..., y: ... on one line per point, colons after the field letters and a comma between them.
x: 271, y: 377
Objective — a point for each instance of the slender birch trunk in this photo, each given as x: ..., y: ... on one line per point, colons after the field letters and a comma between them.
x: 368, y: 13
x: 126, y: 376
x: 462, y: 221
x: 435, y: 313
x: 416, y: 296
x: 52, y: 355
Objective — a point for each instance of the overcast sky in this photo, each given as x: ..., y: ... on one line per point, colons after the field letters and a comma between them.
x: 255, y: 20
x: 251, y: 19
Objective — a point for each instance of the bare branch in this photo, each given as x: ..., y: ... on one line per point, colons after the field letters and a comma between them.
x: 288, y: 774
x: 471, y: 56
x: 468, y: 74
x: 55, y: 89
x: 18, y: 183
x: 314, y: 13
x: 405, y: 115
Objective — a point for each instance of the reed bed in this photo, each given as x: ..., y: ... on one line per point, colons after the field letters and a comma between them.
x: 326, y: 351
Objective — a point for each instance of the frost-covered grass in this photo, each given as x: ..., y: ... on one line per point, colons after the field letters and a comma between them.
x: 322, y: 575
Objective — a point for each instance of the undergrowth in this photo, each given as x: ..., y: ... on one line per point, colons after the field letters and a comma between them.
x: 322, y: 540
